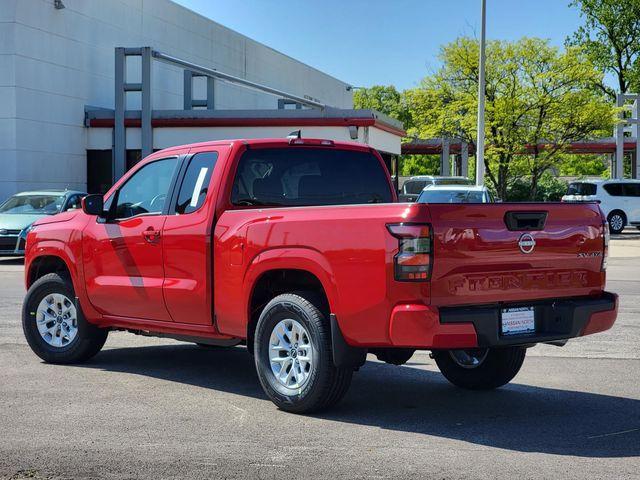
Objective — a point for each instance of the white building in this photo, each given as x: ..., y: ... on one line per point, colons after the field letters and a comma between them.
x: 57, y: 61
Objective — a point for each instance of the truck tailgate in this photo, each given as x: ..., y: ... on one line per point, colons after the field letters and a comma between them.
x: 489, y: 253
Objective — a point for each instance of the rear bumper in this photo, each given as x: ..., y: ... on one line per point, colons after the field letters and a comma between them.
x: 479, y: 326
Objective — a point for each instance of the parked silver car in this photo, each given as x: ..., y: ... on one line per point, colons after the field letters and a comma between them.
x: 18, y: 213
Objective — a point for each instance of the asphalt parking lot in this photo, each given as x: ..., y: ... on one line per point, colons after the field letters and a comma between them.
x: 151, y: 408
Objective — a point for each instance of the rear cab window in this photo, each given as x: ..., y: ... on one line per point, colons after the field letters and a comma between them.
x: 307, y: 176
x: 582, y: 188
x: 414, y: 187
x: 195, y: 185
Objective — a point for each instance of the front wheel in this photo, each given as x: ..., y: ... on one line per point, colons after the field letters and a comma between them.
x: 54, y: 325
x: 480, y: 368
x: 293, y: 355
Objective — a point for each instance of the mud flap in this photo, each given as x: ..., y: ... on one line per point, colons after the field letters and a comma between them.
x: 344, y: 355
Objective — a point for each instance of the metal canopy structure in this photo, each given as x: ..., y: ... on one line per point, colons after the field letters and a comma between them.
x: 147, y: 54
x: 629, y: 104
x: 615, y: 147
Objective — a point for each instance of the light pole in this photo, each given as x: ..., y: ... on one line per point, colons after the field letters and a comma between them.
x: 481, y: 82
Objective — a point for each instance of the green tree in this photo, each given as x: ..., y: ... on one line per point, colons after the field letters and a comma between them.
x: 611, y: 39
x: 538, y: 100
x: 384, y: 99
x: 592, y: 165
x: 420, y: 165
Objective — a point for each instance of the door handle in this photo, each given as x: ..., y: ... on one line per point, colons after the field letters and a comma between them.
x: 150, y: 235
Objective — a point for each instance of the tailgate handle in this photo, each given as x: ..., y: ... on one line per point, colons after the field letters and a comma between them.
x: 517, y: 221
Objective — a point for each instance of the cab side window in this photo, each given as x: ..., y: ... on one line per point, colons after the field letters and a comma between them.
x: 195, y: 186
x: 146, y: 191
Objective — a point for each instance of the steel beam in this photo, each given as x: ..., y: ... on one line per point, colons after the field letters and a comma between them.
x: 147, y: 130
x: 618, y: 165
x: 445, y: 160
x: 187, y: 96
x: 119, y: 139
x: 211, y: 91
x: 464, y: 159
x: 635, y: 169
x: 189, y: 101
x: 230, y: 78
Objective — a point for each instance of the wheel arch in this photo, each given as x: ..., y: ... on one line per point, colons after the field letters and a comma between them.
x: 288, y: 270
x: 43, y: 265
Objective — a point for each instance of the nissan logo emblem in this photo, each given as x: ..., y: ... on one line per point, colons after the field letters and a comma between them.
x: 3, y: 231
x: 526, y: 243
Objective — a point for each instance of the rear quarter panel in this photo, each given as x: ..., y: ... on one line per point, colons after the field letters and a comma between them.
x: 348, y: 248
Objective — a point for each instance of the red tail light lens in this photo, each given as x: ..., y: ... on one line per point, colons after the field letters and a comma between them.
x: 412, y: 263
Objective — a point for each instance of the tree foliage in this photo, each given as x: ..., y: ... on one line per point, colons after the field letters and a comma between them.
x: 610, y: 37
x: 537, y: 97
x: 385, y: 99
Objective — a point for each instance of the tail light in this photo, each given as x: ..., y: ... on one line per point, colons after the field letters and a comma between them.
x: 413, y: 261
x: 605, y: 248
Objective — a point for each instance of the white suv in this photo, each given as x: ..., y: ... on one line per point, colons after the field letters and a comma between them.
x: 619, y: 200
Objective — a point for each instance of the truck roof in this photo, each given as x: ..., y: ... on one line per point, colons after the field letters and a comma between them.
x: 275, y: 142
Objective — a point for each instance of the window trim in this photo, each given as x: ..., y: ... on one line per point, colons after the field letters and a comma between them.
x: 111, y: 214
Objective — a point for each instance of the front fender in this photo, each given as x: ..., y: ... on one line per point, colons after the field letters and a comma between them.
x: 63, y: 250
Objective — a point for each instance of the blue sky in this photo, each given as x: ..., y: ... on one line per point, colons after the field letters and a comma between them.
x: 383, y: 41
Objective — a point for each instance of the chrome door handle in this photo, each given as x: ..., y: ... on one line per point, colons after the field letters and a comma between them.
x: 150, y: 235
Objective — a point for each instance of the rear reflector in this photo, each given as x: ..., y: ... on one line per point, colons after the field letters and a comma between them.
x: 412, y: 263
x: 605, y: 249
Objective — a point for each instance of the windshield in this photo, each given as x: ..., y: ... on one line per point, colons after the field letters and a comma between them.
x: 297, y: 176
x: 33, y: 204
x: 414, y: 187
x: 581, y: 189
x: 451, y: 196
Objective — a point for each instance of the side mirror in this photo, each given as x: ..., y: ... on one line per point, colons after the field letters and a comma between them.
x: 93, y: 205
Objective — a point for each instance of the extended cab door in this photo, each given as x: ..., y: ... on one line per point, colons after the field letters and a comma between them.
x: 187, y: 237
x: 123, y: 256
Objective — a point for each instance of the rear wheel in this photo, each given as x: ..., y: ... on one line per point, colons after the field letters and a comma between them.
x: 480, y: 368
x: 54, y: 325
x: 294, y: 358
x: 617, y: 221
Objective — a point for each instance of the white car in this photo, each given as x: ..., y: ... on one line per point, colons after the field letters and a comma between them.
x: 619, y: 200
x: 455, y: 194
x: 413, y: 186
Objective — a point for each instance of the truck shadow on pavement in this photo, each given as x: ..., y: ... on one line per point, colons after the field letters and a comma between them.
x: 516, y: 417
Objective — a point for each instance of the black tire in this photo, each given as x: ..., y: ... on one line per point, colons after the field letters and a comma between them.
x: 617, y: 221
x: 496, y: 369
x: 326, y: 384
x: 89, y: 338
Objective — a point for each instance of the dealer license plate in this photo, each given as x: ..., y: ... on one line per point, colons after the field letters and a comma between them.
x: 518, y: 320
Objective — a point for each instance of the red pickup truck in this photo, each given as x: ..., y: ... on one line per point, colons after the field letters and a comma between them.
x: 299, y: 249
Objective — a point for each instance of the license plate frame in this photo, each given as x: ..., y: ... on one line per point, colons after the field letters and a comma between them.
x: 517, y: 321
